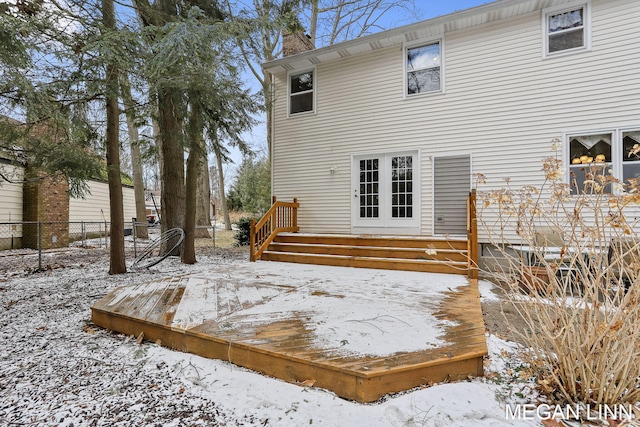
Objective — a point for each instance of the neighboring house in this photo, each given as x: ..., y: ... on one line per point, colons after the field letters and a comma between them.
x: 48, y: 201
x: 95, y: 205
x: 10, y: 191
x: 382, y: 134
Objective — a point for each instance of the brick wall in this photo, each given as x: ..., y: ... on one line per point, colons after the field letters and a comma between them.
x: 294, y: 43
x: 46, y: 200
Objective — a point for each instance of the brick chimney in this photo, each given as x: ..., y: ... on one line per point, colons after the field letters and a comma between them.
x: 294, y: 43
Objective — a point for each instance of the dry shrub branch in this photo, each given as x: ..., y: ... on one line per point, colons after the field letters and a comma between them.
x: 579, y: 297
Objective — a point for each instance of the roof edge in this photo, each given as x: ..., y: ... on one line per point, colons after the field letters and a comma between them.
x: 394, y: 32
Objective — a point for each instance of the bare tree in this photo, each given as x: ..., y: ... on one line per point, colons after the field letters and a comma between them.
x: 333, y: 21
x: 260, y: 41
x: 136, y: 157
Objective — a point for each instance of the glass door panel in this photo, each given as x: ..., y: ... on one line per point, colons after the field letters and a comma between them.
x: 369, y: 188
x: 402, y: 187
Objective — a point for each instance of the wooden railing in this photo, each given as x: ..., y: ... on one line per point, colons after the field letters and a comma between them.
x: 472, y: 236
x: 281, y: 217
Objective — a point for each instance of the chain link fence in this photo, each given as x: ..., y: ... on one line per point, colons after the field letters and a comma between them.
x: 27, y: 238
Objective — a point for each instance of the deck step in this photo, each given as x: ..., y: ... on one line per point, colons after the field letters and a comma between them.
x: 415, y: 242
x: 422, y: 265
x: 410, y: 253
x: 450, y: 255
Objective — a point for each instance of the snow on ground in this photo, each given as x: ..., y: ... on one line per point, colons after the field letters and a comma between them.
x: 57, y: 368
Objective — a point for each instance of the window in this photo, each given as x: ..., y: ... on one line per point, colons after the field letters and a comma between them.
x: 566, y: 29
x: 630, y: 155
x: 590, y: 155
x: 301, y: 92
x: 423, y: 68
x: 615, y: 152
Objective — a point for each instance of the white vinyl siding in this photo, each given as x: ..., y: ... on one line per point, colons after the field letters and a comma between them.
x: 95, y: 206
x: 11, y: 193
x: 503, y: 105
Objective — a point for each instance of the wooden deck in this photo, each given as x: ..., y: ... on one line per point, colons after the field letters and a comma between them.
x: 361, y: 335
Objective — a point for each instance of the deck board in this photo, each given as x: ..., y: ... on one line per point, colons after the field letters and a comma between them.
x: 243, y: 318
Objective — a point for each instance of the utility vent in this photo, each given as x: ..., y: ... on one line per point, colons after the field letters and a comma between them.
x: 411, y: 36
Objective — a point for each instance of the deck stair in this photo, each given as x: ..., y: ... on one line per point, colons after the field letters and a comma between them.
x: 410, y: 253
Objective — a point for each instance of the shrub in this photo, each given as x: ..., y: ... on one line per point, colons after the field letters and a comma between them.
x: 582, y: 319
x: 243, y: 234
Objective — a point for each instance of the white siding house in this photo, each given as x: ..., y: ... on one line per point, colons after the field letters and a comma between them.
x: 94, y: 207
x: 10, y: 192
x: 383, y: 134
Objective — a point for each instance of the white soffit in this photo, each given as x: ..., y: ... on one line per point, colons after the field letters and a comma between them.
x: 436, y: 27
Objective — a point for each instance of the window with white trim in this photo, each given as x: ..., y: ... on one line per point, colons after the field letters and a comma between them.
x: 301, y: 89
x: 630, y: 155
x: 593, y: 155
x: 424, y: 68
x: 567, y: 29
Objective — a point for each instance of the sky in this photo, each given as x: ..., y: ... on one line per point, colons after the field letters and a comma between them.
x: 426, y: 9
x: 431, y: 8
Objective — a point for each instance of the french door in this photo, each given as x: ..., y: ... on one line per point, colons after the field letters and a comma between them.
x: 385, y: 190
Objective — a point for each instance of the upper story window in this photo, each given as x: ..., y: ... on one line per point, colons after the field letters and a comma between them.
x: 301, y: 88
x: 424, y: 68
x: 566, y: 29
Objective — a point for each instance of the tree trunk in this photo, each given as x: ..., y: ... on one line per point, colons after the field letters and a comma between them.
x: 313, y: 21
x: 193, y: 169
x: 136, y: 161
x: 203, y: 207
x: 157, y: 171
x: 117, y: 262
x: 188, y: 246
x: 172, y: 158
x: 223, y: 198
x: 171, y: 150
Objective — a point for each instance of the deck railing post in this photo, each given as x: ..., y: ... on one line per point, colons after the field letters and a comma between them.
x: 39, y: 245
x: 472, y: 236
x: 295, y: 213
x: 252, y: 241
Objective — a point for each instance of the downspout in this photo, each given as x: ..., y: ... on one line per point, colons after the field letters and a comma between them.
x: 272, y: 130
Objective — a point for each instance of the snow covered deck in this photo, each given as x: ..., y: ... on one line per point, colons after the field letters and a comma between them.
x: 361, y: 333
